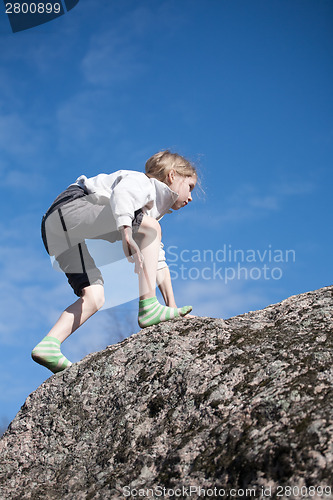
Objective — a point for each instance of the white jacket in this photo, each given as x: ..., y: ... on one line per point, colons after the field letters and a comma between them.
x: 128, y: 191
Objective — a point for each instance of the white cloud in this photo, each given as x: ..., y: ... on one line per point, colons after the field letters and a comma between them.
x: 297, y: 187
x: 247, y: 202
x: 89, y: 116
x: 17, y: 138
x: 120, y: 51
x: 79, y: 120
x: 117, y: 54
x: 219, y: 300
x: 111, y: 58
x: 30, y: 181
x: 268, y: 202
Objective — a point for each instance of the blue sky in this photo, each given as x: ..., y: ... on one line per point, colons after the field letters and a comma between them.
x: 243, y: 88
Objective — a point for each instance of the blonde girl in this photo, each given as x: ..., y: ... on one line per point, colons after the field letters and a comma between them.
x: 125, y: 205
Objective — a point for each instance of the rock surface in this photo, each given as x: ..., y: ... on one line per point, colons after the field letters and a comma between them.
x: 239, y: 408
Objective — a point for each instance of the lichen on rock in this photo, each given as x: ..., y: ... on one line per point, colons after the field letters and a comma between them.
x: 240, y: 403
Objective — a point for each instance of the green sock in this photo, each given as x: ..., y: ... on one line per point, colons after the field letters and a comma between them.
x: 48, y: 354
x: 151, y: 312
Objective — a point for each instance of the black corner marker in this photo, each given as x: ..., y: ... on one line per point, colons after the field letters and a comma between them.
x: 70, y: 4
x: 26, y: 14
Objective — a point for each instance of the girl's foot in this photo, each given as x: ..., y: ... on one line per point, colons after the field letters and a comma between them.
x: 151, y: 312
x: 48, y: 354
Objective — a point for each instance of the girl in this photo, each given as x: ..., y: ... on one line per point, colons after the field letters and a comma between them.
x: 125, y: 205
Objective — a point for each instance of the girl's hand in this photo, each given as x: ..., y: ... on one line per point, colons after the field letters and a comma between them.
x: 131, y: 249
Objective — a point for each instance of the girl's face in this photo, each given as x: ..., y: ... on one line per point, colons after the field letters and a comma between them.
x: 183, y: 186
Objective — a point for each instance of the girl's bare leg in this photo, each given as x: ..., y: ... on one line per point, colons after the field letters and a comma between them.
x: 75, y: 315
x: 47, y: 352
x: 151, y: 312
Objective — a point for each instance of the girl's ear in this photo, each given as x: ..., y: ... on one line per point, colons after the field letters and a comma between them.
x: 171, y: 176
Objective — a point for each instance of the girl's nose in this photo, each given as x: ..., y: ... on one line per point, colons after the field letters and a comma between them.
x: 189, y: 197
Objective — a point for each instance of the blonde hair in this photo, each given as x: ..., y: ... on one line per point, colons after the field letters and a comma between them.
x: 160, y: 164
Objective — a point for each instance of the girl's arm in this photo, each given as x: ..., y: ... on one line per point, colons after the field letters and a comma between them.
x: 163, y: 279
x: 131, y: 248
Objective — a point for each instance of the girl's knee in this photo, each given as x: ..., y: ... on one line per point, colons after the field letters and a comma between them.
x: 150, y: 226
x: 94, y: 294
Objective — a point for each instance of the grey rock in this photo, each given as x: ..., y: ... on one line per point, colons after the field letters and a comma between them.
x: 241, y: 405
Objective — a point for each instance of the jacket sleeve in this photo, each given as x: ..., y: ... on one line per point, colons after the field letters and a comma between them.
x: 130, y: 194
